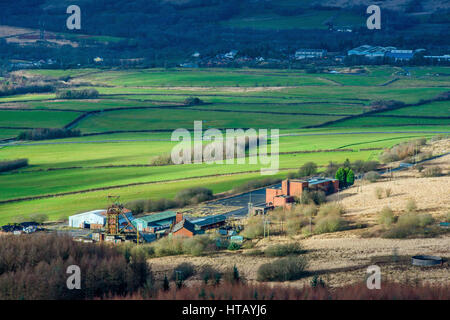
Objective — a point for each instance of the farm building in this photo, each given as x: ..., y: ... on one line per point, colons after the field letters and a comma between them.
x: 95, y: 219
x: 310, y: 54
x: 155, y: 222
x: 284, y: 196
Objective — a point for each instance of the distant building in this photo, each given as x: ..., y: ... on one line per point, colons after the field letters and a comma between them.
x: 185, y: 228
x: 370, y: 51
x: 284, y: 196
x: 445, y: 57
x: 95, y: 219
x: 310, y: 54
x: 400, y: 55
x: 231, y: 55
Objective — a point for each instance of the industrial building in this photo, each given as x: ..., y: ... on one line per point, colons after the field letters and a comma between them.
x: 310, y: 54
x: 95, y: 219
x: 156, y: 222
x: 210, y: 222
x: 284, y: 196
x: 400, y: 55
x: 189, y: 228
x: 370, y: 51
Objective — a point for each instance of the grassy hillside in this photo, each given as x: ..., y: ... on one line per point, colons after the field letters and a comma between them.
x: 75, y: 174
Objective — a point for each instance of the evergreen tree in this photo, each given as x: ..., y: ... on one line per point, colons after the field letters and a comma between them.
x: 166, y: 283
x: 341, y: 176
x: 350, y: 179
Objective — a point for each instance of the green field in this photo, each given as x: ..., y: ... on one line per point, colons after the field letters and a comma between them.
x: 308, y: 20
x: 142, y: 107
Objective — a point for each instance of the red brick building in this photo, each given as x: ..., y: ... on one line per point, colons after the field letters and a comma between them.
x: 284, y: 196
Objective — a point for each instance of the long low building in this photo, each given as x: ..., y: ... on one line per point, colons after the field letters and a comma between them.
x: 95, y: 219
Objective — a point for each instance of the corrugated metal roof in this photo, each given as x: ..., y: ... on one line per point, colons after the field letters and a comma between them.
x: 157, y: 217
x: 101, y: 212
x: 209, y: 220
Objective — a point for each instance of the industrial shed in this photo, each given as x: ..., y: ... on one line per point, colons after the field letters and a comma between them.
x: 95, y: 219
x: 155, y: 222
x: 210, y: 222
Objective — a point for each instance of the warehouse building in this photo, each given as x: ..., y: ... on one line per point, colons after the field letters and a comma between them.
x: 95, y: 219
x: 155, y: 222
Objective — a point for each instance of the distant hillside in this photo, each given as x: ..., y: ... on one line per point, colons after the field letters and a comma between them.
x: 174, y: 29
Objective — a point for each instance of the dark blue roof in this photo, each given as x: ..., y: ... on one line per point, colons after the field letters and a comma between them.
x: 400, y: 55
x: 209, y: 220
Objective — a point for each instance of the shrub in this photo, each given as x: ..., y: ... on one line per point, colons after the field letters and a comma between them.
x: 411, y: 205
x: 385, y: 104
x: 371, y: 176
x: 161, y: 160
x: 294, y: 225
x: 199, y: 245
x: 378, y: 193
x: 234, y: 246
x: 184, y: 270
x: 284, y: 269
x: 410, y: 224
x: 360, y: 166
x: 192, y: 101
x: 254, y: 228
x: 317, y: 282
x: 432, y: 172
x: 388, y: 192
x: 196, y: 246
x: 330, y: 209
x: 309, y: 197
x: 232, y: 275
x: 209, y: 273
x: 331, y: 223
x: 9, y: 165
x: 77, y: 94
x: 386, y: 217
x: 38, y: 217
x: 281, y: 250
x: 403, y: 150
x: 308, y: 169
x: 168, y: 246
x: 48, y: 133
x: 194, y: 195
